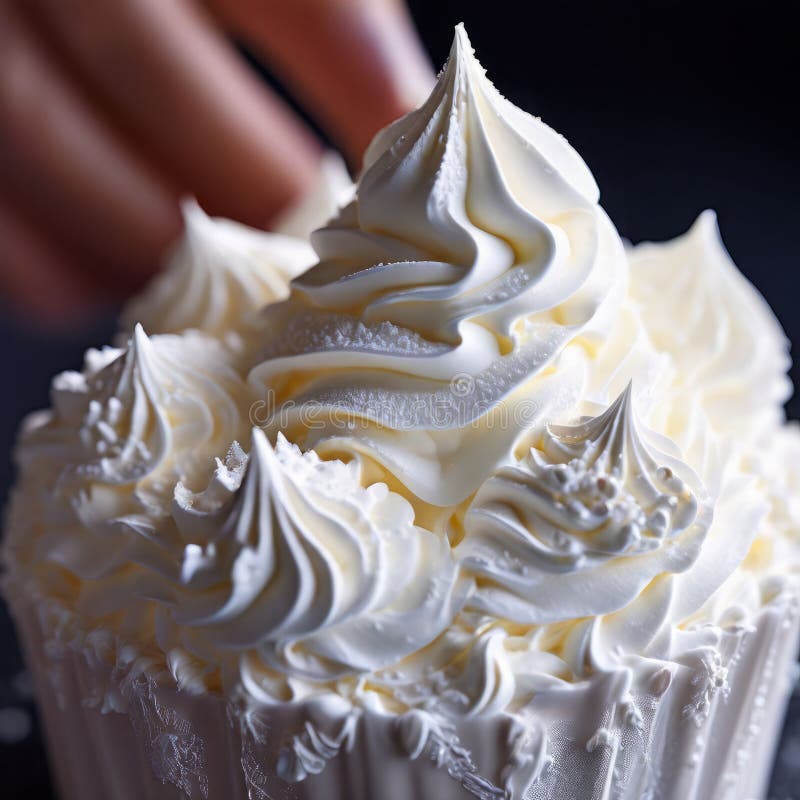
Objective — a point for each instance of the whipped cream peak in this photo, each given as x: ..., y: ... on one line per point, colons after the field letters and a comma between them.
x: 220, y: 273
x: 475, y: 238
x: 125, y: 424
x: 458, y: 82
x: 289, y: 555
x: 584, y: 522
x: 729, y: 353
x: 417, y: 191
x: 145, y: 412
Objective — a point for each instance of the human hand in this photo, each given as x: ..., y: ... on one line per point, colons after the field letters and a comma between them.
x: 111, y: 110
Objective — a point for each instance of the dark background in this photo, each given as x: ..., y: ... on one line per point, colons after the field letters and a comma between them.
x: 676, y: 107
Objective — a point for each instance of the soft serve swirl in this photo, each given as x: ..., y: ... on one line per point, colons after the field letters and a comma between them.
x: 474, y: 247
x: 220, y: 273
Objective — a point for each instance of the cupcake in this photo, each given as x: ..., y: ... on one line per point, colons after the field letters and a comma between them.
x: 485, y: 505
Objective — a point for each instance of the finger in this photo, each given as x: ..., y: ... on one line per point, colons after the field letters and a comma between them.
x: 69, y: 167
x: 177, y: 84
x: 35, y: 277
x: 357, y: 64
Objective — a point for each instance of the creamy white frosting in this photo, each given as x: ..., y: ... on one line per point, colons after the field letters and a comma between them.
x: 581, y: 526
x: 137, y: 414
x: 289, y: 555
x: 720, y: 393
x: 455, y: 297
x: 729, y: 354
x: 103, y: 462
x: 221, y: 271
x: 496, y: 456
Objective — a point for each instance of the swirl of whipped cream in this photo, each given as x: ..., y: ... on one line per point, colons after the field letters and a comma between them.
x: 220, y: 273
x: 729, y: 353
x: 99, y: 468
x: 482, y: 681
x: 151, y: 410
x: 478, y: 666
x: 474, y: 249
x: 581, y: 526
x: 721, y: 391
x: 289, y: 555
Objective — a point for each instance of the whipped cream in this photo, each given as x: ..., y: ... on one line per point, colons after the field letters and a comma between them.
x: 581, y: 526
x: 289, y: 555
x: 476, y: 243
x: 221, y: 272
x: 729, y: 354
x: 489, y: 453
x: 142, y: 415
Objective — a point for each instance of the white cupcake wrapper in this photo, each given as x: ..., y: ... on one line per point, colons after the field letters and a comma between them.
x: 167, y: 744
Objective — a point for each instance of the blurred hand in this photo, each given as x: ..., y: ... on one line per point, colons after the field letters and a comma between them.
x: 111, y: 110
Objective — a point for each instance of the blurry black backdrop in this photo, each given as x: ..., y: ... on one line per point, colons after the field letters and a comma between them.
x: 676, y: 106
